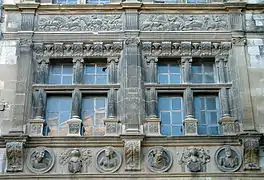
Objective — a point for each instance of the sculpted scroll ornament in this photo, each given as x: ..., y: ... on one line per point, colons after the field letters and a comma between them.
x: 108, y: 159
x: 75, y: 159
x: 132, y: 154
x: 40, y: 160
x: 228, y: 159
x: 91, y: 22
x: 179, y: 22
x: 159, y: 159
x: 195, y: 159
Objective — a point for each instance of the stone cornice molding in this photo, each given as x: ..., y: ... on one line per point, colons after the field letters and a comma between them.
x: 187, y: 48
x: 78, y: 49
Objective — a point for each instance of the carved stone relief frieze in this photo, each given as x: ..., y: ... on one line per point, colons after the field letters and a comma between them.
x: 108, y: 159
x: 159, y: 159
x: 14, y: 154
x: 132, y: 151
x: 228, y: 159
x: 76, y: 159
x: 195, y: 159
x: 40, y: 160
x: 183, y: 22
x: 186, y: 48
x: 72, y: 22
x: 77, y: 49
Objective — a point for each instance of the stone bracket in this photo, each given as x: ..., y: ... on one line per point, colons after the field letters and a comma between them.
x: 152, y: 126
x: 74, y: 126
x: 228, y: 125
x: 36, y: 127
x: 190, y: 126
x: 112, y: 127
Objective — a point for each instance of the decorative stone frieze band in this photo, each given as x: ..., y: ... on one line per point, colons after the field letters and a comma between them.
x: 77, y: 49
x: 195, y: 49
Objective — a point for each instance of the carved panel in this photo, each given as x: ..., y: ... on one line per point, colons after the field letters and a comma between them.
x: 132, y: 154
x: 73, y: 22
x: 183, y: 22
x: 77, y: 49
x: 251, y: 154
x: 14, y: 154
x: 186, y: 48
x: 40, y: 160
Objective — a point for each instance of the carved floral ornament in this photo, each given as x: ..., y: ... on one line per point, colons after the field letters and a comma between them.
x: 186, y: 48
x: 78, y: 49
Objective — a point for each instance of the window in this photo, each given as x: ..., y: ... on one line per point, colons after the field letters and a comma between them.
x: 203, y: 72
x: 60, y: 74
x: 207, y: 112
x: 183, y: 1
x: 58, y: 110
x: 98, y: 1
x: 169, y: 74
x: 93, y: 115
x: 66, y: 2
x: 95, y: 74
x: 171, y: 115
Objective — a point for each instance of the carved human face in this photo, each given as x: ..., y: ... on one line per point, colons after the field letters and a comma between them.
x: 228, y: 152
x: 108, y: 152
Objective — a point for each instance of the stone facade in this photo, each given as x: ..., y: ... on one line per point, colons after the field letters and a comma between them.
x: 132, y: 38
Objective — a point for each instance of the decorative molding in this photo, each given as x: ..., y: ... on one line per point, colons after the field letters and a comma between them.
x: 72, y: 22
x: 40, y: 160
x: 228, y: 159
x: 156, y: 49
x: 77, y: 49
x: 159, y: 159
x: 183, y: 22
x: 108, y: 159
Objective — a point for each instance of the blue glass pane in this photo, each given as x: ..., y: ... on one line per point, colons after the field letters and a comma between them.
x: 64, y: 116
x: 196, y: 69
x: 100, y: 103
x: 197, y: 78
x: 165, y: 130
x: 176, y: 103
x: 209, y: 78
x: 55, y: 79
x: 202, y: 100
x: 67, y: 69
x: 163, y: 79
x: 211, y: 103
x: 87, y: 104
x: 99, y: 69
x: 208, y: 68
x: 202, y: 129
x: 165, y: 118
x: 65, y: 104
x: 101, y: 79
x: 55, y: 69
x: 213, y: 118
x: 175, y: 79
x: 163, y: 69
x: 89, y: 79
x: 176, y: 130
x: 213, y: 130
x: 164, y: 104
x: 90, y: 69
x: 177, y: 118
x: 67, y: 80
x: 175, y: 69
x: 202, y: 119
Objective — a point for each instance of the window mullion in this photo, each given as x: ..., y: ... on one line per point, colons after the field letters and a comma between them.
x: 186, y: 69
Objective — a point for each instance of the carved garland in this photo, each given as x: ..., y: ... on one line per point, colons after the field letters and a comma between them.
x: 77, y: 49
x: 186, y: 48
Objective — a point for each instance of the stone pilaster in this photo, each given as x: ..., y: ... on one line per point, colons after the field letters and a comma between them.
x: 152, y: 71
x: 220, y: 65
x: 189, y: 123
x: 186, y: 68
x: 112, y: 126
x: 75, y: 123
x: 112, y: 73
x: 78, y: 70
x: 42, y: 71
x: 37, y: 123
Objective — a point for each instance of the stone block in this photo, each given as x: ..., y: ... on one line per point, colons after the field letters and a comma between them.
x: 253, y: 50
x: 258, y: 16
x: 256, y: 61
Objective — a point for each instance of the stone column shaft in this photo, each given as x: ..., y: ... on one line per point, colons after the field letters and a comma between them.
x: 112, y: 103
x: 76, y: 103
x: 39, y: 103
x: 220, y: 64
x: 78, y: 70
x: 42, y: 71
x: 224, y: 102
x: 186, y: 69
x: 152, y: 71
x: 152, y: 102
x: 112, y: 75
x: 188, y: 102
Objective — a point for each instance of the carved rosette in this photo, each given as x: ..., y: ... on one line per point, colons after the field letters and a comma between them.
x: 186, y: 48
x: 76, y: 159
x: 108, y: 159
x: 14, y: 155
x: 78, y: 49
x: 159, y: 159
x: 132, y: 153
x: 40, y: 160
x: 228, y: 159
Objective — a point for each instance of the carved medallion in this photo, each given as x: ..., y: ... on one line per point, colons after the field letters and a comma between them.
x: 76, y: 159
x: 108, y: 159
x: 228, y: 159
x: 195, y: 159
x: 40, y: 160
x: 159, y: 159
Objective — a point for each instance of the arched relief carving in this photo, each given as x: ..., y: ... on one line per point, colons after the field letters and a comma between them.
x: 196, y: 49
x: 78, y: 49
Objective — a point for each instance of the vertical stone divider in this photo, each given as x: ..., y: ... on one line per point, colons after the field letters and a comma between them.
x: 75, y: 123
x: 189, y: 123
x: 78, y: 70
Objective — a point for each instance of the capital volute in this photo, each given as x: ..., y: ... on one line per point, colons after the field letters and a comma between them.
x: 151, y: 59
x: 77, y: 59
x: 186, y: 59
x: 113, y: 60
x: 43, y: 61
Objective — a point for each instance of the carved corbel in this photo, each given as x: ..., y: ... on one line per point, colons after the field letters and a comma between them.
x: 225, y: 48
x: 117, y: 48
x: 146, y: 48
x: 38, y: 49
x: 58, y: 49
x: 166, y: 48
x: 239, y: 41
x: 78, y: 49
x: 176, y: 49
x: 186, y: 48
x: 98, y: 48
x: 67, y: 49
x: 88, y: 49
x: 216, y: 48
x: 196, y: 49
x: 132, y: 40
x: 48, y: 49
x: 156, y: 49
x: 206, y: 49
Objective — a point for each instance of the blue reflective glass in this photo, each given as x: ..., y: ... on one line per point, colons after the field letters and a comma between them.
x: 89, y: 79
x: 209, y: 78
x: 196, y: 69
x: 54, y: 79
x: 90, y: 69
x: 165, y: 118
x: 101, y: 79
x: 176, y: 103
x: 100, y: 103
x: 175, y: 69
x: 164, y: 104
x: 175, y: 79
x: 177, y: 118
x: 55, y: 69
x: 197, y: 78
x: 99, y: 69
x: 67, y: 80
x: 176, y: 130
x: 163, y: 79
x: 213, y: 130
x: 67, y: 69
x: 202, y: 119
x: 165, y: 130
x: 64, y: 116
x: 211, y: 103
x: 213, y: 118
x: 163, y: 69
x: 202, y: 129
